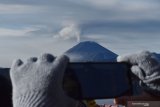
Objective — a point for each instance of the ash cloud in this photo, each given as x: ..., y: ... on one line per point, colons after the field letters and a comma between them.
x: 68, y: 32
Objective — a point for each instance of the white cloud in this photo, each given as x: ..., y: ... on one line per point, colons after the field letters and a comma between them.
x: 69, y: 31
x: 15, y: 32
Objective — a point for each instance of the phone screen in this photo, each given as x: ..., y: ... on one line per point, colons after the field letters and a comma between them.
x: 96, y: 80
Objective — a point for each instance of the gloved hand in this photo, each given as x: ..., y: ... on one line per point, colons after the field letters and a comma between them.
x: 38, y: 82
x: 146, y: 67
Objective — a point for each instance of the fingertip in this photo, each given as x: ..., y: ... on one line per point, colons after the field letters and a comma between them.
x: 46, y: 57
x: 17, y: 63
x: 122, y: 59
x: 32, y: 59
x: 63, y: 58
x: 119, y: 59
x: 135, y: 68
x: 146, y: 52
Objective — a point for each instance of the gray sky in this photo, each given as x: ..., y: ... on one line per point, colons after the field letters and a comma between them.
x: 30, y: 27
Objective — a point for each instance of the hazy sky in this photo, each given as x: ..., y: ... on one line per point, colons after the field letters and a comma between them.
x: 31, y: 27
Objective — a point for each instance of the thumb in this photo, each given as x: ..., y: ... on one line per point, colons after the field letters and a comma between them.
x: 137, y: 71
x: 59, y: 67
x: 134, y: 59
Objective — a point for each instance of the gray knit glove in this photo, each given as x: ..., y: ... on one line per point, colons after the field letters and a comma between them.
x: 38, y: 82
x: 146, y: 67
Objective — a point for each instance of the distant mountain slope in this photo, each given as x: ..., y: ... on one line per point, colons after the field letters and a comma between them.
x: 89, y: 51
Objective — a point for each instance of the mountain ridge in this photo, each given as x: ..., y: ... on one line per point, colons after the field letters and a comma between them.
x: 89, y: 51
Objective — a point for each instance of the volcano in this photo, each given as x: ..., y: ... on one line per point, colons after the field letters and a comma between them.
x: 89, y: 51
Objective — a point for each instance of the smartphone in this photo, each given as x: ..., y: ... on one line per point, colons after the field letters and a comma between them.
x: 97, y: 80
